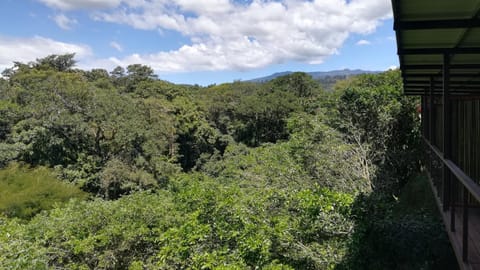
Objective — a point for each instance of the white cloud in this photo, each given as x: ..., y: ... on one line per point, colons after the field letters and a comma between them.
x: 28, y: 49
x: 81, y: 4
x: 64, y: 22
x: 228, y: 35
x: 205, y: 6
x: 116, y: 46
x: 392, y: 67
x: 363, y: 42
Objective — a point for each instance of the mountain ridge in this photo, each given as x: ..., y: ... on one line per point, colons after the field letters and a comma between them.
x: 317, y: 75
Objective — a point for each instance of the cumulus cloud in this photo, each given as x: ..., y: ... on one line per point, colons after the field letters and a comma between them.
x: 232, y: 35
x: 116, y: 46
x: 363, y: 42
x: 81, y: 4
x: 64, y: 22
x: 28, y: 49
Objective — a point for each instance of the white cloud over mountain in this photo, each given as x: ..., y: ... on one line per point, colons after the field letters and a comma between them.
x: 229, y: 35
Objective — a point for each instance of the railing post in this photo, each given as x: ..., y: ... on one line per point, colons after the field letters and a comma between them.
x: 465, y: 225
x: 423, y: 113
x: 431, y: 128
x: 453, y: 189
x: 431, y: 131
x: 447, y: 187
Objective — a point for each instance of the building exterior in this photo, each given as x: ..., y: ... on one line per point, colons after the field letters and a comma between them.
x: 439, y: 51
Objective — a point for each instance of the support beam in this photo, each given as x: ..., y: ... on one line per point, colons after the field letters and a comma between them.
x: 439, y: 75
x: 439, y: 67
x: 436, y: 24
x: 398, y: 34
x: 437, y: 83
x: 419, y: 91
x: 421, y: 51
x: 453, y: 88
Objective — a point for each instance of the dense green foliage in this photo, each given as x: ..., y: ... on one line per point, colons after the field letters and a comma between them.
x: 280, y: 175
x: 393, y: 229
x: 25, y: 192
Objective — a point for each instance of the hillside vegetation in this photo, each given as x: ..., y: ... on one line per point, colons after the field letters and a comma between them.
x: 121, y: 170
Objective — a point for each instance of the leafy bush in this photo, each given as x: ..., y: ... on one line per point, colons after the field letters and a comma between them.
x: 198, y: 224
x: 25, y: 192
x: 86, y: 235
x: 255, y: 226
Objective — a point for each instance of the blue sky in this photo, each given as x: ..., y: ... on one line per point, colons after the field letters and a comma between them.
x: 202, y: 41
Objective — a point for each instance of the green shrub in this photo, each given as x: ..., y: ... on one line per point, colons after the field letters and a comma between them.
x: 94, y: 234
x: 25, y: 191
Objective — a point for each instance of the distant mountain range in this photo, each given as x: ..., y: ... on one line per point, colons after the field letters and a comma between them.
x: 318, y: 75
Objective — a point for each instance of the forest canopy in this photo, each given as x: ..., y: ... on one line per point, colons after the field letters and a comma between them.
x: 122, y: 170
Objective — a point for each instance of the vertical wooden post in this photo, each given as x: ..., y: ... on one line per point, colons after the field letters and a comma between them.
x: 422, y: 114
x: 425, y: 114
x: 447, y: 138
x: 424, y: 124
x: 431, y: 127
x: 431, y: 132
x: 465, y: 225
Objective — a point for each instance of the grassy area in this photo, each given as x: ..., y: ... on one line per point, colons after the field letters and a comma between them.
x: 416, y: 197
x: 26, y: 191
x: 417, y: 214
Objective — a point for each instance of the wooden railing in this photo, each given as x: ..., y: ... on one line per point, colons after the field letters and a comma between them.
x: 454, y: 189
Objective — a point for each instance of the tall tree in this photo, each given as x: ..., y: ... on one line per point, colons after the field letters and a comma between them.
x: 63, y: 62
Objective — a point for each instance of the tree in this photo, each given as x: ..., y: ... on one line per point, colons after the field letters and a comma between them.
x: 137, y: 73
x: 117, y: 72
x: 376, y: 117
x: 262, y: 117
x: 299, y: 83
x: 56, y: 62
x: 96, y: 74
x: 195, y: 136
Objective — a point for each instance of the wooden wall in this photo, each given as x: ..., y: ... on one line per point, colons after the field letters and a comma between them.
x: 466, y: 136
x: 465, y: 131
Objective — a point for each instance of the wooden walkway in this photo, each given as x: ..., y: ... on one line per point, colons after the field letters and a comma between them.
x: 456, y: 237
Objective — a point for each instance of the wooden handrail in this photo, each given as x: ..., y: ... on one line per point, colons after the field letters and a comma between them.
x: 434, y: 149
x: 472, y: 187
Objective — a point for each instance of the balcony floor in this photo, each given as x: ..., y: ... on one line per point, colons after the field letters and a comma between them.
x: 473, y: 236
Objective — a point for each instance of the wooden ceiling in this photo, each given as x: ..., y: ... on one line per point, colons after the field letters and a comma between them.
x: 436, y: 37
